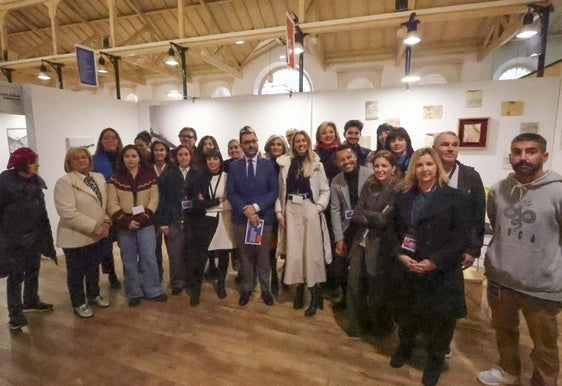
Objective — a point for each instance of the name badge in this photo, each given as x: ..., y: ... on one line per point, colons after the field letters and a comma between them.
x: 296, y: 199
x: 348, y: 214
x: 409, y: 244
x: 186, y: 204
x: 138, y: 209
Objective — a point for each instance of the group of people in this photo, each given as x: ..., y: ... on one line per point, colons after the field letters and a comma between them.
x: 392, y: 229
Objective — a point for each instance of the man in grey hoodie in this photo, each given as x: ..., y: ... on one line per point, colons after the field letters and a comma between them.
x: 524, y: 263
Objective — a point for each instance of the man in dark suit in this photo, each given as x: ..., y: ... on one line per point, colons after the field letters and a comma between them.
x: 252, y: 188
x: 352, y: 133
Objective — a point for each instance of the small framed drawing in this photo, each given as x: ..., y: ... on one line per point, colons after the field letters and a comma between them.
x: 473, y: 132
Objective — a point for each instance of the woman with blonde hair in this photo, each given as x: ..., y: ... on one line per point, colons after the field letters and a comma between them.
x: 304, y: 194
x: 81, y: 202
x: 430, y: 224
x: 327, y: 142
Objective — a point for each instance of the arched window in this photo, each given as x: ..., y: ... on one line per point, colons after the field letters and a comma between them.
x: 283, y: 81
x: 358, y: 83
x: 514, y: 72
x: 221, y: 92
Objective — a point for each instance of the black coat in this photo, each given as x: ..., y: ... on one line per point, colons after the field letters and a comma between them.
x: 25, y: 231
x: 173, y: 189
x: 470, y: 183
x: 441, y: 236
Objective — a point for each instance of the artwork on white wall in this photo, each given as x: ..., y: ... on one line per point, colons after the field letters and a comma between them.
x: 88, y: 143
x: 529, y: 127
x: 433, y: 112
x: 17, y: 138
x: 473, y: 132
x: 371, y: 110
x: 473, y: 98
x: 512, y: 108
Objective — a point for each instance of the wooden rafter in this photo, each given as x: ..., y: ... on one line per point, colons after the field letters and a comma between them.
x: 215, y: 62
x: 501, y: 32
x: 157, y: 35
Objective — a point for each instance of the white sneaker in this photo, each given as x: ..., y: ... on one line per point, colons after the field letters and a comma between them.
x: 496, y: 376
x: 83, y: 311
x: 100, y: 301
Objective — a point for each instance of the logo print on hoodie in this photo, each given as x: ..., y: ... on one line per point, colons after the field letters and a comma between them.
x: 518, y: 216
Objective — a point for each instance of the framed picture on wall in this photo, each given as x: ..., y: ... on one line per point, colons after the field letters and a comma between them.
x: 473, y: 132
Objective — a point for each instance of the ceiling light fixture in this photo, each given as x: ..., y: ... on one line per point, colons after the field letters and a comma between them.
x: 543, y: 12
x: 171, y: 58
x: 102, y: 69
x: 412, y: 37
x: 43, y: 74
x: 528, y: 30
x: 411, y: 78
x: 240, y: 42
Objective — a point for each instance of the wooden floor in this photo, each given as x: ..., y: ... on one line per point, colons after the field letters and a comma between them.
x: 215, y: 343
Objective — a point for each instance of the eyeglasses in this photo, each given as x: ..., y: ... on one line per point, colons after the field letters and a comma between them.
x: 250, y: 142
x: 187, y: 136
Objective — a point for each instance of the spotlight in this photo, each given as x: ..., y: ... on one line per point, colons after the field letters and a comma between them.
x: 412, y: 37
x: 171, y: 59
x: 43, y: 75
x: 102, y: 69
x: 528, y: 30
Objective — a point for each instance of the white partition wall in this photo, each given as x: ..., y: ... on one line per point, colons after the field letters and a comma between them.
x: 223, y: 117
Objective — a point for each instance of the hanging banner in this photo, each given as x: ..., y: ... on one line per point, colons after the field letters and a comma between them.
x: 290, y: 56
x: 86, y: 61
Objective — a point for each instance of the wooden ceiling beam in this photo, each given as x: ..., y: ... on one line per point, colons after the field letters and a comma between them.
x: 156, y: 34
x: 503, y: 31
x: 112, y: 14
x: 215, y: 62
x: 263, y: 47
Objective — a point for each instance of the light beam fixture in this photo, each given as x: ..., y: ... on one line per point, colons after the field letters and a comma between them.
x: 44, y: 75
x: 172, y: 61
x: 8, y: 73
x: 543, y: 11
x: 528, y: 30
x: 299, y: 50
x: 115, y: 62
x: 412, y: 37
x: 102, y: 69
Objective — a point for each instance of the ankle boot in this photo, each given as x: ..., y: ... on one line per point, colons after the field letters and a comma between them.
x: 299, y: 298
x: 114, y: 282
x: 315, y: 301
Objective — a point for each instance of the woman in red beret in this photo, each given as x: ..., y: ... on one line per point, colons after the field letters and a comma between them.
x: 25, y: 234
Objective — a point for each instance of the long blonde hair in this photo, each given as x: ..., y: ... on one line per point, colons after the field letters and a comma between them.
x: 410, y: 179
x: 310, y: 157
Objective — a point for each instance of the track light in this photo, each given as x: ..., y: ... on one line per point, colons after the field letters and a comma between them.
x: 171, y: 59
x: 528, y: 30
x: 412, y: 37
x: 102, y: 69
x: 43, y: 75
x: 410, y: 78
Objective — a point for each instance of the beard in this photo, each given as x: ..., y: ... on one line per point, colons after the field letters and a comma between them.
x: 526, y: 169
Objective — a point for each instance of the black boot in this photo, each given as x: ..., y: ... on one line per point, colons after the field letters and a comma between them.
x: 221, y: 289
x: 299, y: 298
x: 114, y: 282
x: 315, y: 301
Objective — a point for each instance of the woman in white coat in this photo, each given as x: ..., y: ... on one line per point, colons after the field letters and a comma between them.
x: 304, y: 193
x: 80, y: 199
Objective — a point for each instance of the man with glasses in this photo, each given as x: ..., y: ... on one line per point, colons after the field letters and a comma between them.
x: 188, y: 137
x: 252, y: 188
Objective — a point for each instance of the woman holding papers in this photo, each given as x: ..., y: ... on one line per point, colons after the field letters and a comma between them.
x: 304, y: 193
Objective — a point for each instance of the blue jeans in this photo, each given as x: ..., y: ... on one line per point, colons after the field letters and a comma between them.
x: 139, y: 263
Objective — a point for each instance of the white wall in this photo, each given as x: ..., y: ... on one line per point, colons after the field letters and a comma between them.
x: 223, y: 117
x: 8, y: 121
x: 57, y: 114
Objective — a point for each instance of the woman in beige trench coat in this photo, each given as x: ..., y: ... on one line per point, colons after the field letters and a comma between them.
x: 304, y: 193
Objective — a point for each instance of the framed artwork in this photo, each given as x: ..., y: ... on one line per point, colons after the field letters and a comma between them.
x: 473, y: 132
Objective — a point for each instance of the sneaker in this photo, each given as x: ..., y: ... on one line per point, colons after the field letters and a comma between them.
x: 83, y: 311
x: 17, y: 324
x: 496, y: 376
x: 37, y: 307
x: 449, y: 353
x: 99, y: 301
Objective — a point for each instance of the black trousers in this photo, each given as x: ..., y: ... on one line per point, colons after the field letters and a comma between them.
x: 223, y: 263
x: 82, y: 266
x: 107, y: 261
x: 30, y: 280
x: 197, y: 240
